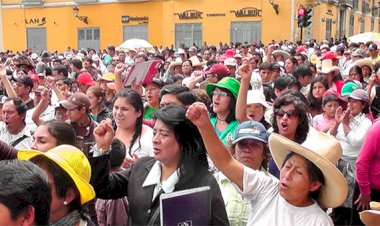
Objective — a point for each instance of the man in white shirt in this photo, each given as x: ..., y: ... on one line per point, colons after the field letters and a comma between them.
x: 13, y: 130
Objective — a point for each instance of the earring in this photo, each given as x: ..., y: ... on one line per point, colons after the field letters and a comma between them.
x: 65, y: 203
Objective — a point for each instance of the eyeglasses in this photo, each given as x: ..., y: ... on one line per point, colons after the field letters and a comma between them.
x: 220, y: 93
x: 291, y: 113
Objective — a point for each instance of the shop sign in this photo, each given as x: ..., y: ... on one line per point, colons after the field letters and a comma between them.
x: 36, y: 21
x: 247, y: 12
x: 189, y: 15
x: 127, y: 19
x: 216, y: 14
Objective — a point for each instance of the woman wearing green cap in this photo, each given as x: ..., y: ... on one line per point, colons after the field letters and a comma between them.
x: 222, y: 116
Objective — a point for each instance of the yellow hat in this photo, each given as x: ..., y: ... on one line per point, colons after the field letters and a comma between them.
x: 110, y: 77
x: 314, y: 60
x: 73, y: 162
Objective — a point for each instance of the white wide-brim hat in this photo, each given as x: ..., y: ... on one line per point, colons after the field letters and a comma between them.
x: 281, y: 52
x: 364, y: 62
x: 323, y: 151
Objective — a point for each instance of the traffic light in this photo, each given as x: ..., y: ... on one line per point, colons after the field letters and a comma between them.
x: 300, y: 16
x: 307, y: 17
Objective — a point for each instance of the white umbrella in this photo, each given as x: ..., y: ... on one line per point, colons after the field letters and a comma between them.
x: 136, y: 43
x: 365, y: 37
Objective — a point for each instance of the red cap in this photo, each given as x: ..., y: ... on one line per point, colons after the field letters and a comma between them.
x: 218, y: 69
x: 86, y: 78
x: 330, y: 56
x: 332, y: 92
x: 301, y: 49
x: 34, y: 77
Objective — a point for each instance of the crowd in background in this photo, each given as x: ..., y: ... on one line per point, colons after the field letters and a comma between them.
x: 110, y: 150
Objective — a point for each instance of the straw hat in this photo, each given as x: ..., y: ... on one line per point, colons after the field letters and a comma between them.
x: 284, y: 54
x: 328, y: 67
x: 73, y: 162
x: 324, y: 155
x: 364, y: 62
x: 371, y: 217
x: 177, y: 62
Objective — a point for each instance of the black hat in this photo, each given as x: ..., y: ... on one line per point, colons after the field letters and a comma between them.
x: 373, y: 46
x: 45, y: 55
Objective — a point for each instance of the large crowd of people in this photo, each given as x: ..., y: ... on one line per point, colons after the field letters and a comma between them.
x: 283, y: 134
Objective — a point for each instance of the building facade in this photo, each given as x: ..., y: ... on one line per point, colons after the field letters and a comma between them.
x: 54, y: 25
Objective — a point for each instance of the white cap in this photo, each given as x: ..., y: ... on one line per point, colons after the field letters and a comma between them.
x: 256, y: 97
x: 230, y: 62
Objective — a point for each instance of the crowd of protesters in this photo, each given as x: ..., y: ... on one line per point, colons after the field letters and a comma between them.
x: 283, y: 134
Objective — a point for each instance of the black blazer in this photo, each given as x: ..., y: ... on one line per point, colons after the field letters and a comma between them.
x: 141, y: 207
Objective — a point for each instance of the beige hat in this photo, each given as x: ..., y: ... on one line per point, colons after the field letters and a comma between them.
x: 177, y: 62
x: 324, y: 155
x: 364, y: 62
x: 280, y: 52
x: 371, y: 217
x: 181, y: 51
x: 327, y: 67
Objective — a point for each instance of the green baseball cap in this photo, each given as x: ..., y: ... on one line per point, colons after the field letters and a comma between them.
x: 229, y: 83
x: 348, y: 88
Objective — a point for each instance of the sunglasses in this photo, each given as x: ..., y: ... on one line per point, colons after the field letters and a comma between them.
x: 291, y: 113
x: 219, y: 93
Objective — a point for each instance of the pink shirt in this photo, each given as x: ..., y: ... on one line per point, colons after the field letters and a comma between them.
x: 322, y: 123
x: 368, y: 161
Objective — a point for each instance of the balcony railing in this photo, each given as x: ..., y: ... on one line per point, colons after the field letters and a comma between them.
x: 32, y: 2
x: 347, y: 3
x: 85, y: 1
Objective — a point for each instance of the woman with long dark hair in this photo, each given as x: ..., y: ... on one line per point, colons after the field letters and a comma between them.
x: 222, y: 116
x: 317, y: 87
x: 179, y: 163
x: 128, y: 112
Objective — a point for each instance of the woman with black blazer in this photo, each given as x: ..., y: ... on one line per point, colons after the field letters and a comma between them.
x: 179, y: 163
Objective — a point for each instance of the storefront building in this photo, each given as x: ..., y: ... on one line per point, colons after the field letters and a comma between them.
x: 54, y: 25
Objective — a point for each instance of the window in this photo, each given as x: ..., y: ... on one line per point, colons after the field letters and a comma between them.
x: 245, y: 31
x: 328, y: 28
x: 89, y: 38
x: 362, y: 25
x: 355, y: 4
x: 365, y: 7
x: 352, y: 23
x: 187, y: 34
x: 135, y: 31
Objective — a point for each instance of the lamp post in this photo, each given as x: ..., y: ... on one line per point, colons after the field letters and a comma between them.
x: 84, y: 19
